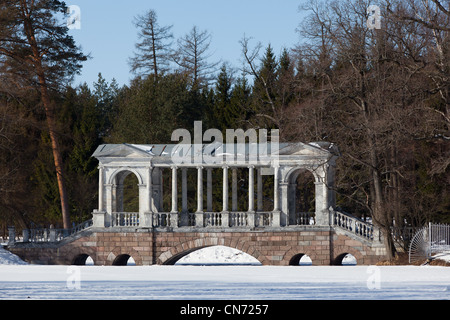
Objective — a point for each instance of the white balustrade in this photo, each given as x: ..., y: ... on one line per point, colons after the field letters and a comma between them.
x: 125, y: 219
x: 354, y: 225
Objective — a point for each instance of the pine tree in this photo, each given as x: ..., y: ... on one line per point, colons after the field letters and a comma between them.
x: 222, y: 98
x: 106, y: 95
x: 285, y: 80
x: 264, y: 91
x: 36, y: 48
x: 239, y: 110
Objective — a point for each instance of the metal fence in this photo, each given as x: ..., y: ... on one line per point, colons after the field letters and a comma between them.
x: 429, y: 241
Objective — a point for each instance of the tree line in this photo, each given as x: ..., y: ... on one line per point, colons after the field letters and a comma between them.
x: 381, y: 95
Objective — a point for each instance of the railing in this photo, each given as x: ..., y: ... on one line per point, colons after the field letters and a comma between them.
x: 429, y: 241
x: 302, y: 219
x: 125, y: 219
x: 264, y: 219
x: 223, y: 219
x: 51, y: 234
x: 212, y: 219
x: 238, y: 219
x: 161, y: 220
x: 355, y: 225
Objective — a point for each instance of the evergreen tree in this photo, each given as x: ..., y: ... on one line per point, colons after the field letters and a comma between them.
x: 285, y: 80
x: 264, y: 91
x: 239, y: 110
x: 149, y: 110
x: 106, y: 96
x: 35, y: 48
x: 222, y: 98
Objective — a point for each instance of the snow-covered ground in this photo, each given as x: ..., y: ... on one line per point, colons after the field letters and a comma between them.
x: 244, y: 282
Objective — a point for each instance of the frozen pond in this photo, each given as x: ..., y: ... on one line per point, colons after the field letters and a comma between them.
x: 224, y: 282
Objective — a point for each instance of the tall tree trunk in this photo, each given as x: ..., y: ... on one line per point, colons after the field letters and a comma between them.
x: 379, y: 214
x: 51, y: 122
x: 57, y: 156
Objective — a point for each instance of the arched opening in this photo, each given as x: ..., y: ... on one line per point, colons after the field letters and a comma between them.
x: 126, y: 192
x: 300, y: 259
x: 83, y: 260
x: 302, y: 198
x: 213, y: 255
x: 124, y: 260
x: 345, y: 259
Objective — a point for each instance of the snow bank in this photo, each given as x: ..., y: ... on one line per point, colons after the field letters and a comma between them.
x: 217, y: 255
x: 445, y: 256
x: 7, y: 257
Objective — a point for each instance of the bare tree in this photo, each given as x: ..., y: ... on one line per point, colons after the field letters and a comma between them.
x: 371, y: 88
x: 192, y: 57
x: 154, y: 49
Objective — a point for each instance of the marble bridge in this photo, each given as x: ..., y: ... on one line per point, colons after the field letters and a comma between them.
x: 156, y: 207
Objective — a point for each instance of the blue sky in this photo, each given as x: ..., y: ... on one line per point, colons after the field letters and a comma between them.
x: 108, y: 34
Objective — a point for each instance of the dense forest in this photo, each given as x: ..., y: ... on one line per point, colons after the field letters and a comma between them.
x: 382, y: 95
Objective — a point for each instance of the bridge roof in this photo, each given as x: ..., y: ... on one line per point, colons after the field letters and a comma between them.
x: 161, y: 151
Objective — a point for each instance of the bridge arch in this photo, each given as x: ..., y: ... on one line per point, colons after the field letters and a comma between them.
x: 119, y: 256
x: 341, y: 251
x: 170, y: 257
x: 78, y: 256
x: 296, y: 259
x: 80, y: 260
x: 292, y: 257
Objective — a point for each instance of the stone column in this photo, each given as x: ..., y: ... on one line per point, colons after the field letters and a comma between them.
x: 149, y: 190
x: 225, y: 190
x: 251, y: 188
x: 143, y: 198
x: 174, y: 191
x: 184, y: 219
x: 200, y: 189
x: 110, y: 203
x: 184, y: 207
x: 100, y: 188
x: 234, y: 189
x: 259, y: 201
x: 276, y: 198
x: 284, y: 210
x: 322, y: 213
x: 199, y: 217
x: 209, y: 190
x: 276, y: 214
